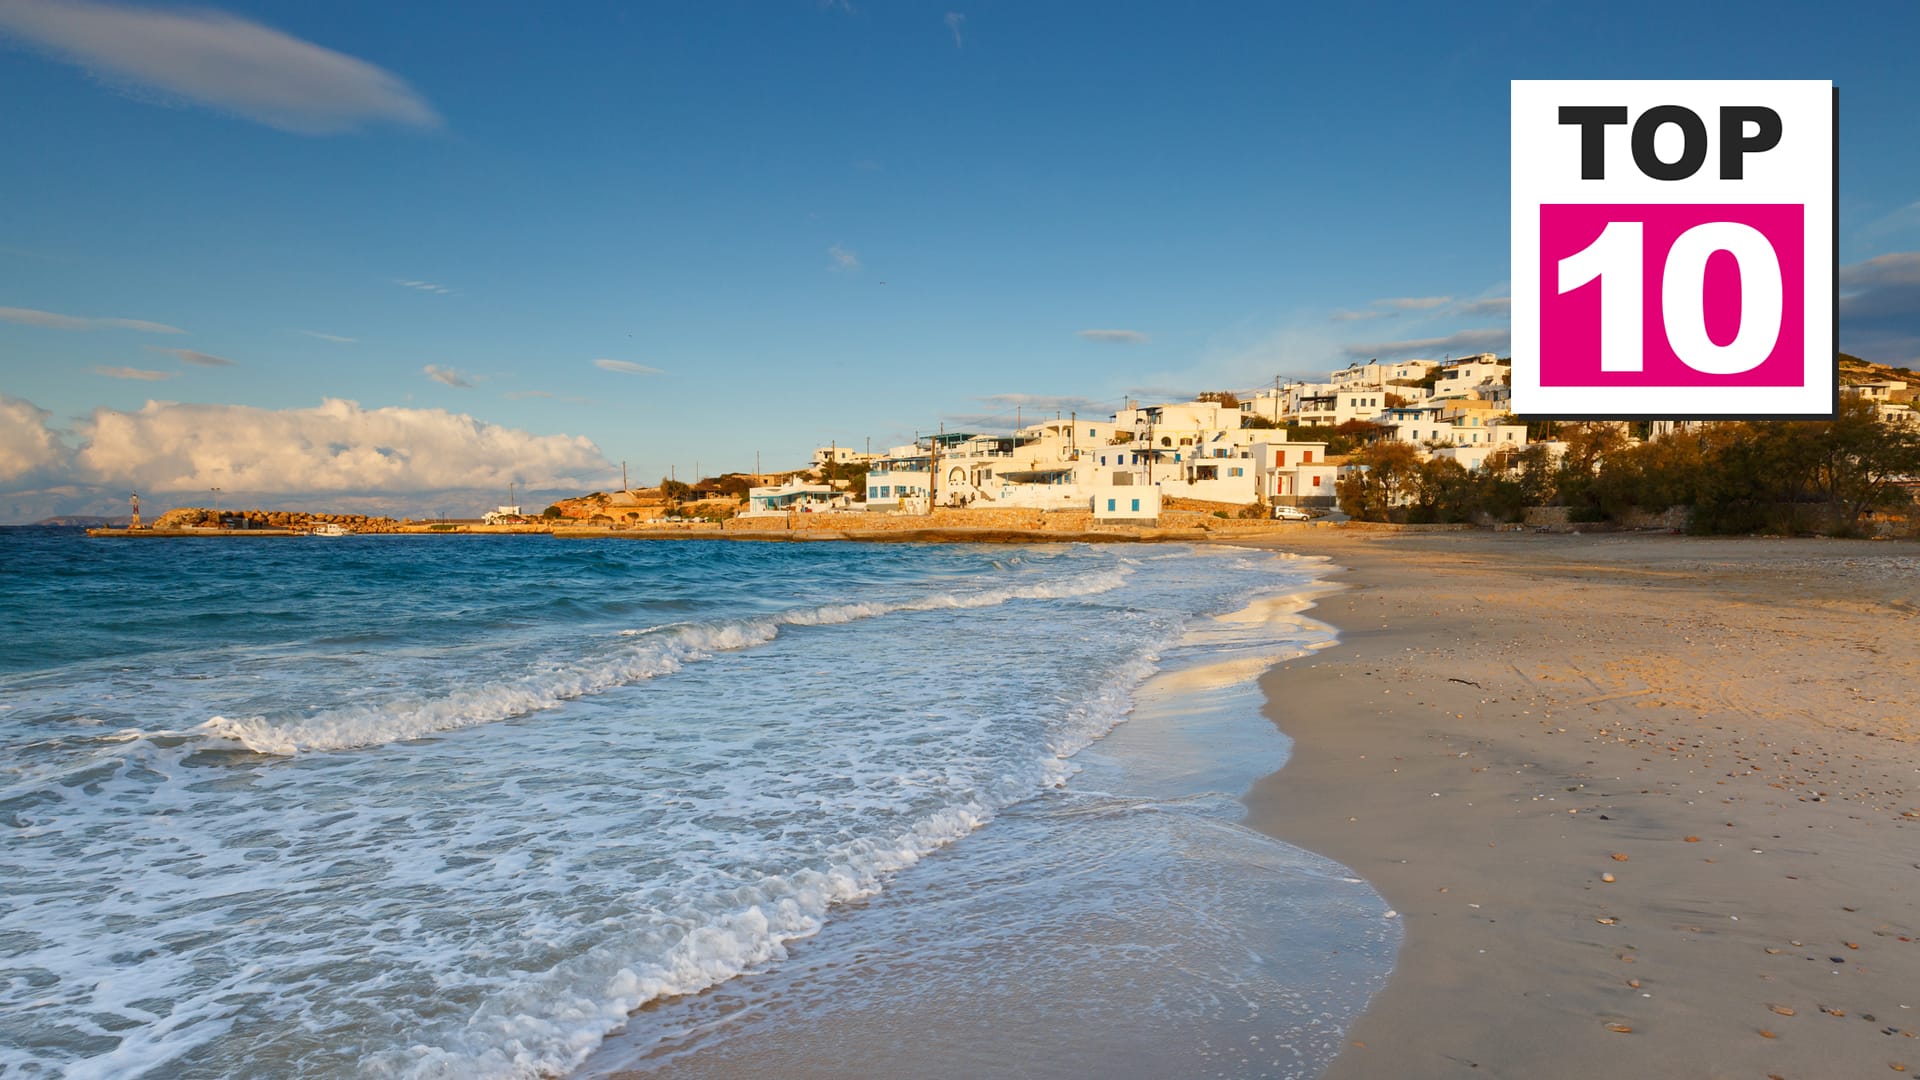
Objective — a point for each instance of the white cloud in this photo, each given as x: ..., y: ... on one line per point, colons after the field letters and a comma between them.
x: 626, y: 367
x: 955, y: 21
x: 424, y: 286
x: 1359, y: 316
x: 1113, y: 337
x: 54, y: 321
x: 143, y: 374
x: 450, y: 376
x: 1414, y: 303
x: 335, y: 338
x: 336, y: 448
x: 190, y: 356
x: 843, y: 259
x: 1486, y: 339
x: 1493, y: 305
x: 222, y: 61
x: 27, y: 445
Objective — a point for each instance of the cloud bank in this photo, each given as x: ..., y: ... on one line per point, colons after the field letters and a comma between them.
x: 27, y: 445
x: 221, y: 61
x: 338, y: 447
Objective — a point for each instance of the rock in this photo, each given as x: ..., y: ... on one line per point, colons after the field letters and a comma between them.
x: 1620, y: 1028
x: 1619, y: 857
x: 1608, y: 878
x: 1783, y: 1010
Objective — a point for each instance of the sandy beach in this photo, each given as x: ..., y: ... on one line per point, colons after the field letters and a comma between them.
x: 1647, y: 806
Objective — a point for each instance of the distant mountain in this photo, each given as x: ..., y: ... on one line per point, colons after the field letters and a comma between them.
x: 90, y: 521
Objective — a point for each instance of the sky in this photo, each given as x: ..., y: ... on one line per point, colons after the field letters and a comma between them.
x: 370, y: 256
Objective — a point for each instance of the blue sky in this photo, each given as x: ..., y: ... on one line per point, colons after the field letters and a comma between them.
x: 531, y: 243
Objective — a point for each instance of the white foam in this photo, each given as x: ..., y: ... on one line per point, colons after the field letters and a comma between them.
x: 667, y: 650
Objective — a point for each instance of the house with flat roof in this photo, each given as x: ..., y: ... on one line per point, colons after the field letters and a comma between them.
x: 792, y: 496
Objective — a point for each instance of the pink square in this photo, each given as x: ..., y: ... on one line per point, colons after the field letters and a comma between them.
x: 1570, y: 322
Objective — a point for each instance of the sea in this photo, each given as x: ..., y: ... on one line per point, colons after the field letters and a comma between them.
x: 397, y: 806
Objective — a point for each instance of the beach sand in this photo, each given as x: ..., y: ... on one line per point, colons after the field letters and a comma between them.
x: 1647, y: 806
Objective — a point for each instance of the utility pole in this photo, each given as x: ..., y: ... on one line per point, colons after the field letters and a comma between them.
x: 216, y: 505
x: 623, y: 475
x: 756, y: 464
x: 933, y: 467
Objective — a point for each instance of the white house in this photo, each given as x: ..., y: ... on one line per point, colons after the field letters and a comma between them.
x: 1373, y: 375
x: 792, y: 496
x: 1294, y: 473
x: 899, y: 479
x: 840, y: 455
x: 1134, y: 504
x: 1465, y: 377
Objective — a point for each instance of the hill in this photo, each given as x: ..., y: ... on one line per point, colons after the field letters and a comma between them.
x: 1854, y: 371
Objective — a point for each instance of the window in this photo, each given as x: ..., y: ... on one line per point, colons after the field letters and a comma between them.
x: 1236, y: 472
x: 1136, y: 506
x: 1090, y: 434
x: 1279, y: 458
x: 1306, y: 457
x: 1110, y: 506
x: 1316, y: 481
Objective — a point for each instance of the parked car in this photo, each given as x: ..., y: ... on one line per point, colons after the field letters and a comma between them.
x: 1292, y: 513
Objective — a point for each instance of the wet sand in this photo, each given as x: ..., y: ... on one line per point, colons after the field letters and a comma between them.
x: 1647, y: 806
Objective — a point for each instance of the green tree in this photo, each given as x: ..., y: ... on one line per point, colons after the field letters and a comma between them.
x: 1377, y: 488
x: 1857, y: 461
x: 1442, y: 491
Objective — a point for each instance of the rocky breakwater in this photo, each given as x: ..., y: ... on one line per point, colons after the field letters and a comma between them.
x: 196, y: 517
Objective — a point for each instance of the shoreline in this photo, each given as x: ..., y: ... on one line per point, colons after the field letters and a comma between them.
x: 1505, y: 716
x: 1193, y: 743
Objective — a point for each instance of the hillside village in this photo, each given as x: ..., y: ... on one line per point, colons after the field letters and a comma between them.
x: 1280, y: 451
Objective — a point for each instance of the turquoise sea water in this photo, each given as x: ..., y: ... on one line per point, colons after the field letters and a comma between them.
x: 440, y: 807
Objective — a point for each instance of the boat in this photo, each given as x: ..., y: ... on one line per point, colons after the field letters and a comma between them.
x: 328, y: 528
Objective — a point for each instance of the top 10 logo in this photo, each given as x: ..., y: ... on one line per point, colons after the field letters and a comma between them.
x: 1673, y: 249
